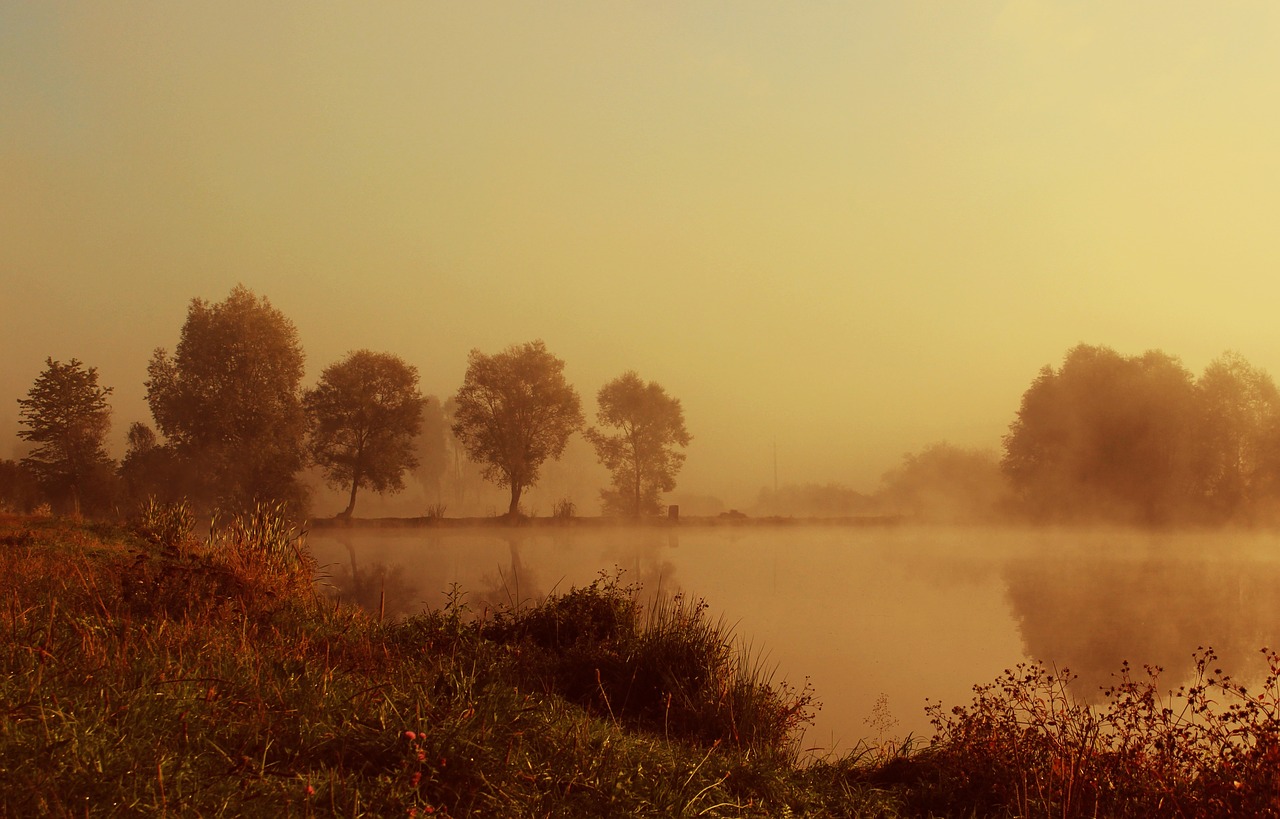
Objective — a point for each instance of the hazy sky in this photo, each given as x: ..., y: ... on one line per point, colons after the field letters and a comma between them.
x: 851, y: 228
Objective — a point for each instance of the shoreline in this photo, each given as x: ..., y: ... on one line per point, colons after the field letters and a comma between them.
x: 501, y: 522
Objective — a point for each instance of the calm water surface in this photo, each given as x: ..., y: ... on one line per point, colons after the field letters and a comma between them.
x: 871, y: 615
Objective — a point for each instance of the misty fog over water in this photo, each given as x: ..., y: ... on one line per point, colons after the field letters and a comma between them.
x: 899, y: 613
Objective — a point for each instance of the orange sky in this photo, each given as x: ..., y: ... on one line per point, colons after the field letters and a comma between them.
x: 852, y: 228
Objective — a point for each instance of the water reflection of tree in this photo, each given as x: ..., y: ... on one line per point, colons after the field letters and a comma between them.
x: 643, y: 557
x: 1090, y: 616
x: 513, y: 586
x: 524, y: 577
x: 376, y: 587
x: 635, y: 556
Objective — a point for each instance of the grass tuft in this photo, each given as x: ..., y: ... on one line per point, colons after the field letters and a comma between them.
x: 671, y: 671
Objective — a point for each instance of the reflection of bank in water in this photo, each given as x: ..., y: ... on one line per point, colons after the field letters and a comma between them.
x: 1091, y: 615
x: 374, y: 586
x: 399, y: 572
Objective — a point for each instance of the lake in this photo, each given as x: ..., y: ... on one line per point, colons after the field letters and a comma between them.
x: 877, y: 619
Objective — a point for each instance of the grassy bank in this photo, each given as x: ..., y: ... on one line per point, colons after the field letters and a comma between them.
x: 145, y: 672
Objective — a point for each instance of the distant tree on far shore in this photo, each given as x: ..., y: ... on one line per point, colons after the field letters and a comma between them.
x: 1105, y: 437
x: 1237, y: 445
x: 946, y: 484
x: 1137, y: 439
x: 364, y: 414
x: 515, y: 410
x: 644, y: 426
x: 432, y: 450
x: 812, y: 500
x: 67, y: 417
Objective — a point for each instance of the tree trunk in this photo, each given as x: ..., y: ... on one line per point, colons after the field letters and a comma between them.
x: 516, y: 489
x: 633, y: 444
x: 636, y: 510
x: 351, y: 504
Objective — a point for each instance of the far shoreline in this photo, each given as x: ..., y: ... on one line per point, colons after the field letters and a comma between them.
x: 503, y: 522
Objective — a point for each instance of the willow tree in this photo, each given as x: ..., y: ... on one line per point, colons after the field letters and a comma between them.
x: 365, y: 413
x: 515, y: 410
x: 641, y: 450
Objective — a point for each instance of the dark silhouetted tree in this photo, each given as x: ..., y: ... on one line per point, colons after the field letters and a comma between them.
x: 1237, y: 429
x: 513, y: 412
x: 364, y: 414
x: 141, y: 438
x: 1104, y: 437
x: 67, y: 417
x: 150, y: 469
x: 229, y: 401
x: 640, y: 450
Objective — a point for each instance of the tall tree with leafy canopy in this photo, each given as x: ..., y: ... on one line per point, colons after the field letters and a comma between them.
x: 641, y: 452
x: 364, y: 414
x: 1105, y: 437
x: 513, y: 412
x: 229, y: 400
x: 67, y: 417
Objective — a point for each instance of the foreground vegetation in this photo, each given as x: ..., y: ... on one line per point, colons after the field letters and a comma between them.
x: 147, y: 672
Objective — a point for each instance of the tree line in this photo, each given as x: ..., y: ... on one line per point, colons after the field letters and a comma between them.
x: 234, y: 426
x: 1139, y: 439
x: 1101, y: 438
x: 1115, y: 439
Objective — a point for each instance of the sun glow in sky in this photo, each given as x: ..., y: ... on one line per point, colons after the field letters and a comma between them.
x: 853, y: 229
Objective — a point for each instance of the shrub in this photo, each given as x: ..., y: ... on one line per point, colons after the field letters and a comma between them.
x: 249, y: 559
x: 264, y: 550
x: 564, y: 509
x: 676, y: 673
x: 1211, y: 748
